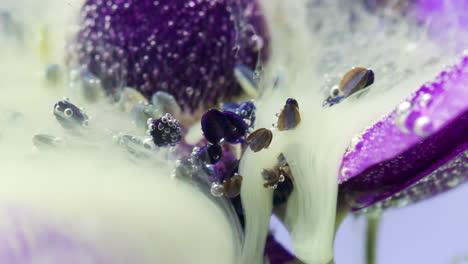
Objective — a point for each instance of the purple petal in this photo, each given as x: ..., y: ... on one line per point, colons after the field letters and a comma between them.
x: 425, y: 136
x: 27, y: 239
x: 187, y: 48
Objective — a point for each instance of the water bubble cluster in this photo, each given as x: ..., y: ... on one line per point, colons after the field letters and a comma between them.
x: 165, y: 131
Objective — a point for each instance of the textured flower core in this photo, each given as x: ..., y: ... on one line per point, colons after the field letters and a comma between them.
x: 187, y: 48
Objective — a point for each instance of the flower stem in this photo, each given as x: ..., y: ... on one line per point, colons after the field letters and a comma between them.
x: 371, y: 238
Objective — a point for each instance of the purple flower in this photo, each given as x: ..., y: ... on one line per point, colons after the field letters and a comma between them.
x: 187, y: 48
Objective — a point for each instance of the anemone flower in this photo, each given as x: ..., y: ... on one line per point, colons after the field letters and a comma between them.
x: 357, y: 106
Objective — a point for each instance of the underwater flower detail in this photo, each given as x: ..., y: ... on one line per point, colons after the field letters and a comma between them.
x: 69, y: 115
x: 272, y: 177
x: 289, y: 117
x: 186, y: 48
x: 352, y: 82
x: 164, y: 131
x: 210, y: 154
x: 245, y: 110
x: 232, y: 186
x: 213, y: 125
x: 259, y: 139
x: 416, y: 151
x: 218, y: 126
x: 280, y: 175
x: 224, y: 177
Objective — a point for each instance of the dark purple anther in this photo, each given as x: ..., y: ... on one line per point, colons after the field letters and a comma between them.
x: 210, y: 154
x: 165, y: 131
x: 186, y: 48
x: 69, y: 116
x: 235, y: 128
x: 213, y: 125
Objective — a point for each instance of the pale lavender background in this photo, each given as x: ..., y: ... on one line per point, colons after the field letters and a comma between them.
x: 430, y: 232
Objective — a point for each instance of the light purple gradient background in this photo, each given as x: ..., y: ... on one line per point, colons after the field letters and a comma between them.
x: 434, y: 231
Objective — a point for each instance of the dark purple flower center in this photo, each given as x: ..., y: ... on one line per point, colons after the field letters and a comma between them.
x: 186, y: 48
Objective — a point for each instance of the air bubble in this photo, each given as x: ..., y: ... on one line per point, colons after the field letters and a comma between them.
x: 217, y: 190
x: 189, y: 91
x: 68, y: 112
x: 403, y: 107
x: 422, y: 126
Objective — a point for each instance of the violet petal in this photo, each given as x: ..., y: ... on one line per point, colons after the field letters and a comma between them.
x: 420, y: 138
